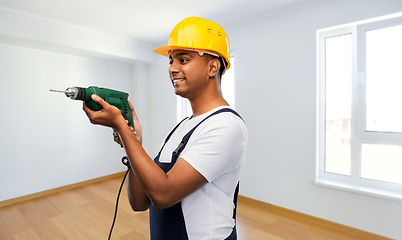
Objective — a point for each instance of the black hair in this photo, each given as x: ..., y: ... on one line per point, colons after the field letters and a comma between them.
x: 222, y: 69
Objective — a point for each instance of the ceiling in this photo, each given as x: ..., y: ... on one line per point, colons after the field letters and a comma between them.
x: 146, y: 21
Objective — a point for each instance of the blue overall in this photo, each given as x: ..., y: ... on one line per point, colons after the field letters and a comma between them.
x: 168, y: 223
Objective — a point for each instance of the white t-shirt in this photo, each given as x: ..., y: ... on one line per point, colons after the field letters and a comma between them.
x: 217, y: 150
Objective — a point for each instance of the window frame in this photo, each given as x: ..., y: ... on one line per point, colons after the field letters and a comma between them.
x: 359, y: 136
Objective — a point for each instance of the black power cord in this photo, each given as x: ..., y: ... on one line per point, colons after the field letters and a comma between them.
x: 125, y: 161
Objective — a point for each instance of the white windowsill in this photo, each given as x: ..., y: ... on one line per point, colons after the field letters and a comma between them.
x: 397, y: 196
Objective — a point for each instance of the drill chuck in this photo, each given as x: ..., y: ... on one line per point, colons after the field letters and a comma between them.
x: 76, y: 93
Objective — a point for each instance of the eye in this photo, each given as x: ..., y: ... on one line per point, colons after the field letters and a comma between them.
x: 184, y: 60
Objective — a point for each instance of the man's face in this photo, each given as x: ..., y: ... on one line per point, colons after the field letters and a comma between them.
x: 188, y: 72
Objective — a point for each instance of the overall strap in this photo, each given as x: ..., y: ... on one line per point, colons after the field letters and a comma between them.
x: 186, y: 137
x: 170, y: 134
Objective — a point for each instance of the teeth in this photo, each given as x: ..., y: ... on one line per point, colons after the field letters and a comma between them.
x: 178, y: 80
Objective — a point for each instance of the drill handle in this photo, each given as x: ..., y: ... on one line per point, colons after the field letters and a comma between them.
x: 121, y: 102
x: 128, y: 115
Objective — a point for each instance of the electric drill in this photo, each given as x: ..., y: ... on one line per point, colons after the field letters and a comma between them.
x: 113, y: 97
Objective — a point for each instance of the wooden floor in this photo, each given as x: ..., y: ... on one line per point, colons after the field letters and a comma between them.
x: 87, y: 212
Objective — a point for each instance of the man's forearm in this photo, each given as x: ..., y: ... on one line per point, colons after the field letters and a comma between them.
x: 137, y: 197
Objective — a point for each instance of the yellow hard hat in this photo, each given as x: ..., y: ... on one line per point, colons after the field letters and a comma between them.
x: 198, y: 34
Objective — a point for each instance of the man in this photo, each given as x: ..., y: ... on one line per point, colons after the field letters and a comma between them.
x: 191, y: 186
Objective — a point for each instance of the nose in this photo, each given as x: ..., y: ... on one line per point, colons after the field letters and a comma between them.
x: 173, y: 68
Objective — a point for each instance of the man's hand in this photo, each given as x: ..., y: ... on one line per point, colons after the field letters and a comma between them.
x: 109, y: 116
x: 137, y: 125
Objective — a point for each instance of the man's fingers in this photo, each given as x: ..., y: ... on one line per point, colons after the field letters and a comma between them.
x: 98, y: 99
x: 131, y: 105
x: 132, y: 110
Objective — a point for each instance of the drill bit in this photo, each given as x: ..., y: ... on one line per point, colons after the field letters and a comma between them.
x: 52, y: 90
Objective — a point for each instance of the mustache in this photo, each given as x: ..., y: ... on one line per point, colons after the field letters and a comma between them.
x: 176, y: 76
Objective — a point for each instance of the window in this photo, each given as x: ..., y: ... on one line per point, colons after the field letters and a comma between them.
x: 228, y: 91
x: 360, y: 107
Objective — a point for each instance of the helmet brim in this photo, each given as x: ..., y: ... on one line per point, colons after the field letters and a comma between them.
x: 164, y: 50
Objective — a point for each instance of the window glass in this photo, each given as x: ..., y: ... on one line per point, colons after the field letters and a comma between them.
x: 384, y: 79
x: 338, y: 104
x: 382, y: 162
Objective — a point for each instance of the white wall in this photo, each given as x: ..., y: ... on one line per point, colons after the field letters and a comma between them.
x: 140, y: 100
x: 276, y: 95
x: 19, y: 29
x: 46, y: 138
x: 162, y: 103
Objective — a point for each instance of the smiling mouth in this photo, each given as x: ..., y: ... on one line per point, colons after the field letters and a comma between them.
x: 177, y: 80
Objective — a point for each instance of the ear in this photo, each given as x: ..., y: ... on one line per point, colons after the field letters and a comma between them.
x: 213, y: 67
